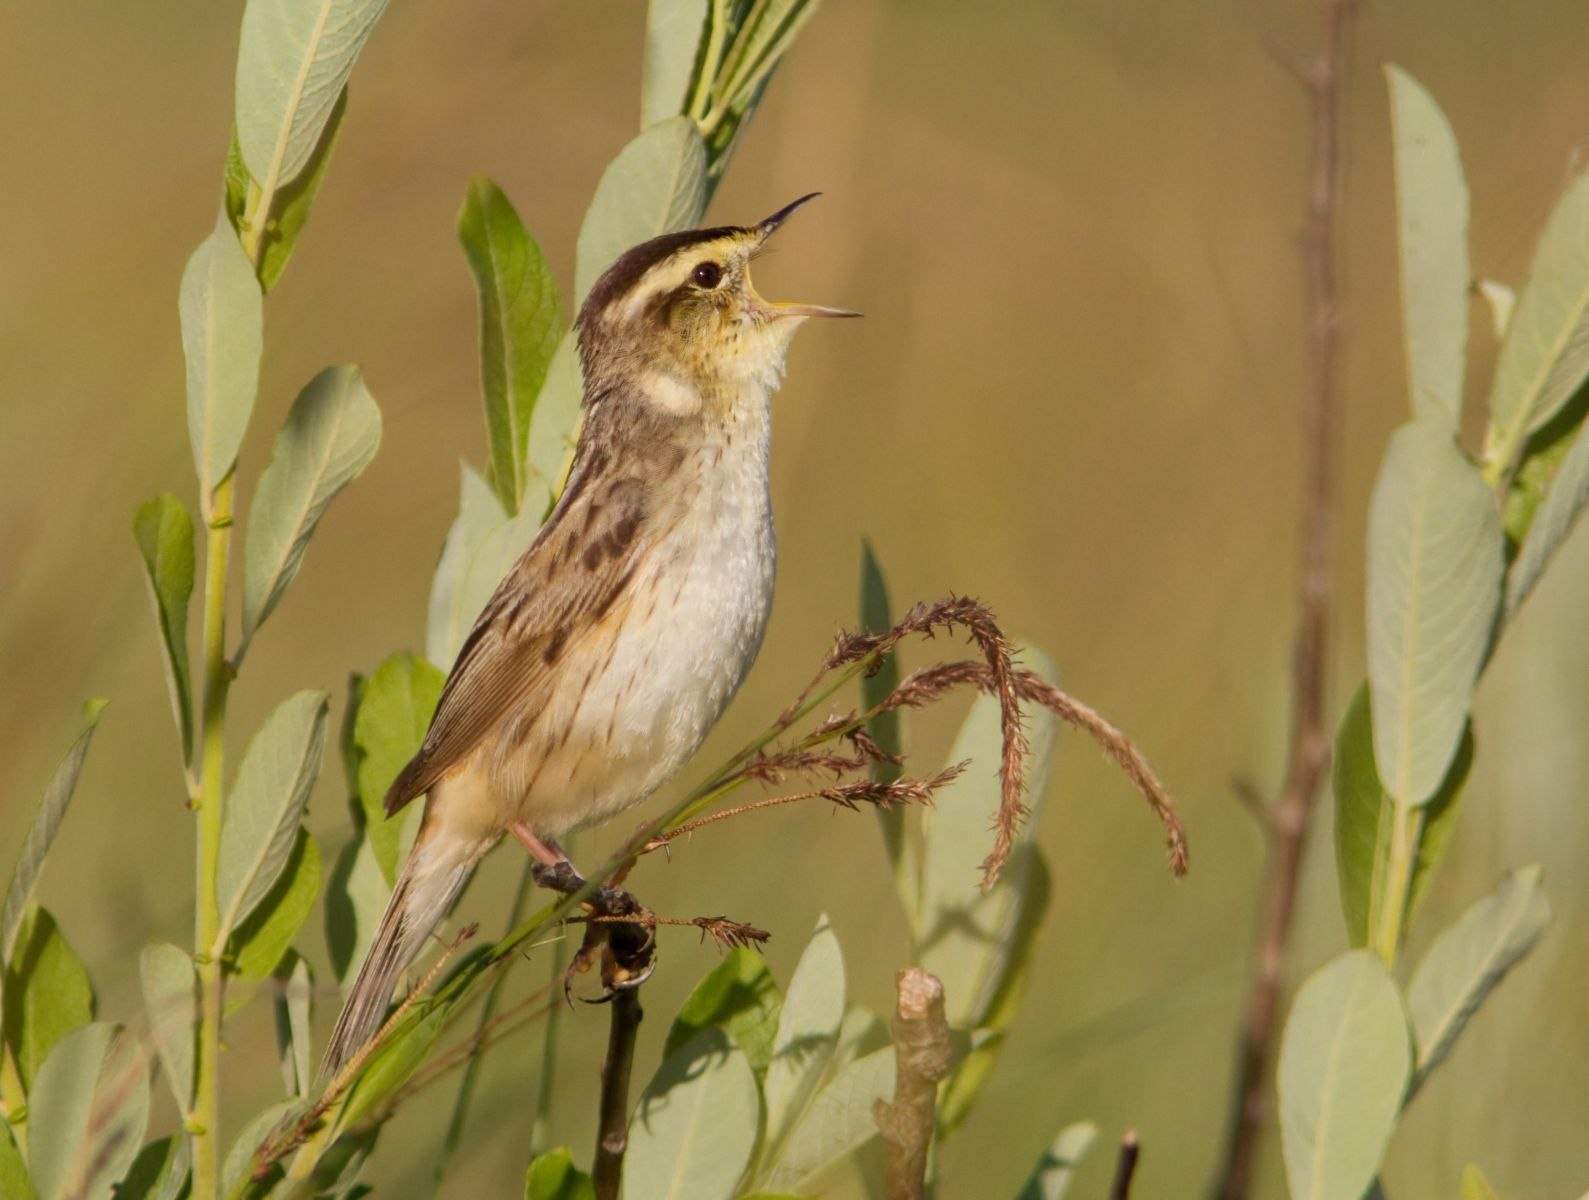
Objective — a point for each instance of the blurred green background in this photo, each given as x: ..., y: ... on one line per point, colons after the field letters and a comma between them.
x: 1071, y: 227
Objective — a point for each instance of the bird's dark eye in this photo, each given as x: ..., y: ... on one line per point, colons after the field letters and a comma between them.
x: 707, y: 275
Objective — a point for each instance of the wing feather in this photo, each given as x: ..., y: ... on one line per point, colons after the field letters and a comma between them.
x: 578, y: 567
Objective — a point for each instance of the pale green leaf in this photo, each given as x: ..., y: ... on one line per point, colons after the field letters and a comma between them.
x: 170, y: 994
x: 260, y: 940
x: 1474, y: 1185
x: 1554, y: 519
x: 164, y: 533
x: 740, y: 996
x: 674, y: 32
x: 965, y: 938
x: 1434, y: 578
x: 47, y: 993
x: 41, y: 834
x: 861, y: 1032
x: 87, y: 1113
x: 483, y: 543
x: 355, y: 899
x: 1344, y: 1062
x: 158, y: 1173
x: 294, y: 1010
x: 290, y: 207
x: 14, y: 1181
x: 243, y: 1155
x: 1432, y: 238
x: 521, y: 323
x: 330, y: 436
x: 1546, y: 352
x: 808, y: 1026
x: 1501, y: 301
x: 1056, y: 1170
x: 266, y: 804
x: 655, y: 185
x: 293, y: 60
x: 1364, y: 818
x: 694, y: 1129
x: 553, y: 1176
x: 222, y: 337
x: 555, y: 430
x: 1468, y: 960
x: 394, y: 712
x: 838, y: 1120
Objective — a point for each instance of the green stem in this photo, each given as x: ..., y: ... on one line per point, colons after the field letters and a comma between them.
x: 1406, y: 829
x: 204, y: 1120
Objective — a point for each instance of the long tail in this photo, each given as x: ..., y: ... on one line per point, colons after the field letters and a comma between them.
x: 436, y: 870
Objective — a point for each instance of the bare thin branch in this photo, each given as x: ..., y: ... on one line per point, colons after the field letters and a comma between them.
x: 1308, y: 754
x: 1125, y: 1166
x: 612, y: 1129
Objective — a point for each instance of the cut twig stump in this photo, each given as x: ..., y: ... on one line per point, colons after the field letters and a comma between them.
x: 921, y: 1060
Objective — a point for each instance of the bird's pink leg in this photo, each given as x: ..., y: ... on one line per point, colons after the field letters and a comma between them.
x: 551, y: 869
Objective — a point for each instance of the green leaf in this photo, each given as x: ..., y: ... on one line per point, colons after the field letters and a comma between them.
x: 14, y: 1181
x: 695, y: 1127
x: 222, y: 337
x: 1364, y: 817
x: 158, y: 1173
x: 164, y: 533
x: 399, y: 1054
x: 1546, y: 352
x: 521, y: 323
x: 884, y: 729
x: 553, y: 1176
x: 1055, y: 1171
x: 1434, y: 577
x: 355, y: 898
x: 555, y: 430
x: 482, y: 545
x: 675, y: 30
x: 968, y: 939
x: 290, y: 208
x: 808, y: 1027
x: 47, y: 993
x: 41, y: 834
x: 1475, y: 1186
x: 838, y: 1120
x: 394, y: 714
x: 87, y: 1113
x: 266, y: 804
x: 242, y: 1157
x: 294, y: 1010
x: 330, y: 436
x: 655, y: 185
x: 1552, y: 521
x: 1501, y: 300
x: 170, y: 994
x: 1344, y: 1060
x: 259, y: 941
x: 293, y: 61
x: 765, y: 37
x: 740, y: 996
x: 1432, y: 237
x: 1468, y: 960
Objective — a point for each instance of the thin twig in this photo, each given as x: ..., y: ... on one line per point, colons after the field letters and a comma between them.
x: 726, y: 933
x: 1308, y: 754
x: 1125, y: 1166
x: 612, y: 1129
x: 921, y: 1060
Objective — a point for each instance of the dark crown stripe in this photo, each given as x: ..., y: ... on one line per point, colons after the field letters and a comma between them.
x: 632, y: 265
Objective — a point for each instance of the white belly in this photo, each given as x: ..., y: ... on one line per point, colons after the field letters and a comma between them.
x: 635, y: 707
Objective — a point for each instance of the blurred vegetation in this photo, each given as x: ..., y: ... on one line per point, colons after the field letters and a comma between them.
x: 1074, y: 395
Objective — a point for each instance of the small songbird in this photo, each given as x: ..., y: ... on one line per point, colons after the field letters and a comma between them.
x: 613, y: 645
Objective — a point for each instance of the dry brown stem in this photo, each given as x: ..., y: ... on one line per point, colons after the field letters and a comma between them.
x: 1308, y: 754
x: 1125, y: 1166
x: 921, y: 1060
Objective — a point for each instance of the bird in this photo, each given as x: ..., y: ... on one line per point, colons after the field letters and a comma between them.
x: 614, y: 643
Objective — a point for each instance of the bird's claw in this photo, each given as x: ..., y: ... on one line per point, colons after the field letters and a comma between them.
x: 626, y: 949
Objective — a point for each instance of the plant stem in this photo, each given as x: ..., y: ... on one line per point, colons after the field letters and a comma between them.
x: 1405, y: 831
x: 612, y: 1129
x: 1308, y: 755
x: 204, y: 1120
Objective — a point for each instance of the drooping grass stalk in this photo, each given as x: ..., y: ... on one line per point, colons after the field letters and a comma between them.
x: 203, y: 1123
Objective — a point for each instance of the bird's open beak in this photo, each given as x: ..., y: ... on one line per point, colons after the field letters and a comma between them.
x: 768, y: 227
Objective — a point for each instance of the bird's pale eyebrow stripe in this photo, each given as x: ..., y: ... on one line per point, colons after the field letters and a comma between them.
x: 667, y: 275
